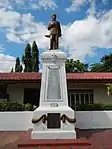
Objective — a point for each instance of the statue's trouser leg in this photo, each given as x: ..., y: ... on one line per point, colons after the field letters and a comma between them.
x: 56, y: 42
x: 51, y: 42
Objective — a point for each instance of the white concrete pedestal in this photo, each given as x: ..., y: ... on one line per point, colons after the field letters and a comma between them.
x: 53, y: 99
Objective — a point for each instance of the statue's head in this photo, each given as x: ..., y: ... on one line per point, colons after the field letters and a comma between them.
x: 54, y: 16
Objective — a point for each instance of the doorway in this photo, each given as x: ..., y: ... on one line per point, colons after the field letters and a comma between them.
x: 32, y: 96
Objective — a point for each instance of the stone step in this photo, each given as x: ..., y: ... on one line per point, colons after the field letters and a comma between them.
x: 56, y: 147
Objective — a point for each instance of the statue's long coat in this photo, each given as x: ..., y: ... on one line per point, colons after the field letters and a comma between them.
x: 54, y: 29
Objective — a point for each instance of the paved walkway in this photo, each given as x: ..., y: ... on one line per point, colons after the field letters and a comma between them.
x: 8, y: 140
x: 100, y: 139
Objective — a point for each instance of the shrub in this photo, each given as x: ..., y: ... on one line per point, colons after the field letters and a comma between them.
x: 28, y: 107
x: 108, y: 107
x: 4, y: 106
x: 83, y: 107
x: 16, y: 107
x: 9, y: 106
x: 93, y: 107
x: 34, y: 107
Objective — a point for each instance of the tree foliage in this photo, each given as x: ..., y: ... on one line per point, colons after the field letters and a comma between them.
x: 30, y: 60
x: 105, y: 64
x: 35, y: 57
x: 76, y: 66
x: 18, y: 66
x: 97, y: 67
x: 27, y: 59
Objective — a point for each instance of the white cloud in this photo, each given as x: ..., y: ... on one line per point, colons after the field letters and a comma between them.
x: 9, y: 19
x: 27, y: 4
x: 11, y: 36
x: 80, y: 37
x: 92, y: 10
x: 85, y: 35
x: 6, y: 63
x: 23, y: 28
x: 46, y: 4
x: 5, y: 4
x: 76, y: 4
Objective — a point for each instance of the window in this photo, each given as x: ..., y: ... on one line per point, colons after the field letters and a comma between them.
x: 77, y: 99
x: 87, y: 98
x: 82, y: 96
x: 72, y: 99
x: 3, y: 92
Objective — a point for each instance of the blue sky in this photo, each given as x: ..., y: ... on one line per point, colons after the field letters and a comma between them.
x: 86, y: 28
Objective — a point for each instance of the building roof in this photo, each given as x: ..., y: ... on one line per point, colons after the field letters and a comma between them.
x: 35, y: 76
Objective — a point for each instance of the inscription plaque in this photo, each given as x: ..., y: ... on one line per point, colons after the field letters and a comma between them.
x: 53, y: 88
x: 53, y: 120
x: 54, y: 105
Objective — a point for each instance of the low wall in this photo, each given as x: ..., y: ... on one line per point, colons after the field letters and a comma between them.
x: 94, y: 119
x: 21, y: 121
x: 15, y: 121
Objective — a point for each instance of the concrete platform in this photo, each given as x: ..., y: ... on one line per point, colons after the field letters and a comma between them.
x: 99, y: 139
x: 27, y: 142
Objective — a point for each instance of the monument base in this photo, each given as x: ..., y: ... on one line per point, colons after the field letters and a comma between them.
x: 27, y: 143
x: 62, y: 126
x: 53, y: 135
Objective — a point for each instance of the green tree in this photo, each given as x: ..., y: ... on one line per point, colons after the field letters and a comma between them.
x: 21, y: 68
x: 97, y: 67
x: 35, y: 57
x: 105, y: 64
x: 75, y: 66
x: 18, y: 66
x: 27, y: 59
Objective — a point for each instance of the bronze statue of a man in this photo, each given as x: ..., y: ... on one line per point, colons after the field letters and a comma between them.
x: 55, y: 32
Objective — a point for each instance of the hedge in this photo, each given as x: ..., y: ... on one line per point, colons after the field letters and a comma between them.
x: 8, y: 106
x: 93, y: 107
